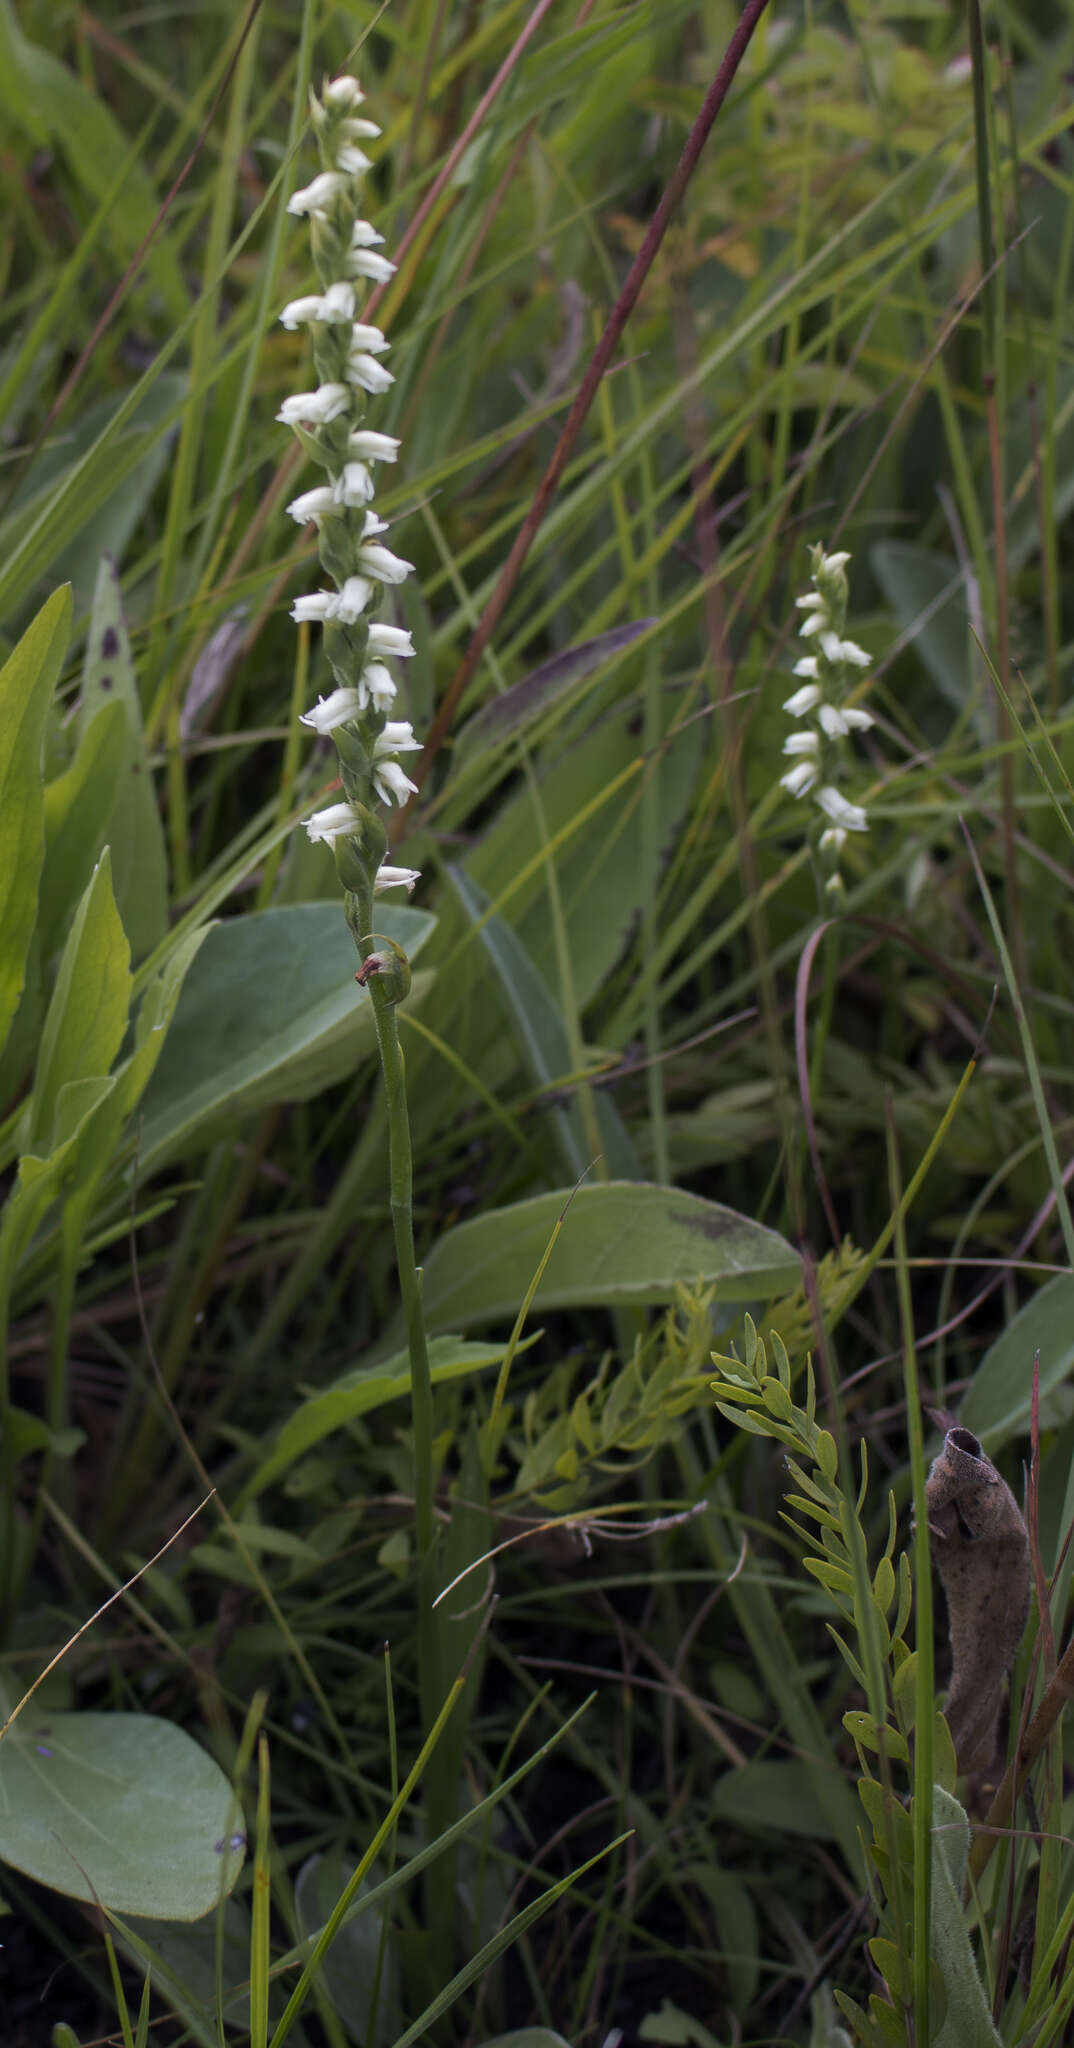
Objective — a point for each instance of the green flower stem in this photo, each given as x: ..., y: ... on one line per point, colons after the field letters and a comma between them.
x: 401, y: 1182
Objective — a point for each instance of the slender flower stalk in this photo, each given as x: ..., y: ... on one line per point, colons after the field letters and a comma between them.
x: 819, y: 748
x: 359, y: 711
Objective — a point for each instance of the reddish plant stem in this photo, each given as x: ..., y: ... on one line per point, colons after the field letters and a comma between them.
x: 602, y: 355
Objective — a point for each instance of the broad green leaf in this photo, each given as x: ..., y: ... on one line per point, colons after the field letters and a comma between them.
x: 87, y: 1016
x: 967, y: 2022
x: 133, y: 828
x: 998, y: 1404
x: 121, y: 1810
x: 527, y: 2037
x: 926, y: 595
x: 349, y: 1971
x: 777, y: 1793
x: 542, y: 1039
x: 269, y: 1013
x: 182, y: 1958
x: 357, y: 1392
x: 77, y: 808
x: 622, y: 1243
x: 27, y: 681
x: 517, y: 709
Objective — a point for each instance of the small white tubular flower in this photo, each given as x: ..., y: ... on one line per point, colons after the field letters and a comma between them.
x: 337, y: 821
x: 389, y: 640
x: 395, y: 878
x: 376, y: 686
x: 352, y: 600
x: 828, y: 564
x: 799, y: 779
x: 833, y: 839
x: 370, y: 447
x: 836, y: 807
x: 359, y: 130
x: 363, y: 262
x: 833, y: 722
x: 844, y: 650
x: 343, y: 91
x: 372, y: 525
x: 397, y: 738
x: 336, y: 709
x: 811, y: 602
x: 801, y: 743
x: 364, y: 235
x: 334, y: 305
x: 314, y: 408
x: 368, y: 374
x: 392, y: 785
x: 813, y: 624
x: 804, y: 700
x: 353, y: 485
x: 369, y: 338
x: 319, y: 197
x: 353, y: 160
x: 808, y: 666
x: 297, y: 311
x: 858, y: 721
x: 315, y: 504
x: 383, y: 565
x: 317, y: 605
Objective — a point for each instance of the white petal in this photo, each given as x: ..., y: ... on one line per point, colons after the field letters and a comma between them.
x: 371, y: 447
x: 389, y: 640
x: 396, y: 738
x: 833, y: 722
x: 833, y: 840
x: 381, y: 563
x: 313, y: 504
x: 319, y: 197
x: 369, y: 338
x: 298, y: 311
x: 352, y: 600
x: 832, y: 562
x: 858, y: 721
x: 806, y: 667
x: 343, y: 91
x: 367, y: 263
x: 813, y: 624
x: 364, y: 235
x: 799, y: 779
x: 319, y: 604
x: 352, y: 159
x: 376, y: 686
x: 811, y: 601
x: 368, y: 374
x: 315, y: 408
x: 334, y: 822
x: 395, y: 878
x: 361, y: 130
x: 353, y: 485
x: 801, y: 743
x: 840, y: 811
x: 804, y: 700
x: 391, y: 783
x: 328, y: 712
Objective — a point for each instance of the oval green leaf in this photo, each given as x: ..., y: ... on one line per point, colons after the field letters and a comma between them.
x: 625, y: 1242
x: 123, y: 1810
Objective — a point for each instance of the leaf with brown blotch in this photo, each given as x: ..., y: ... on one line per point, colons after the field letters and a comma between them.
x: 981, y: 1551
